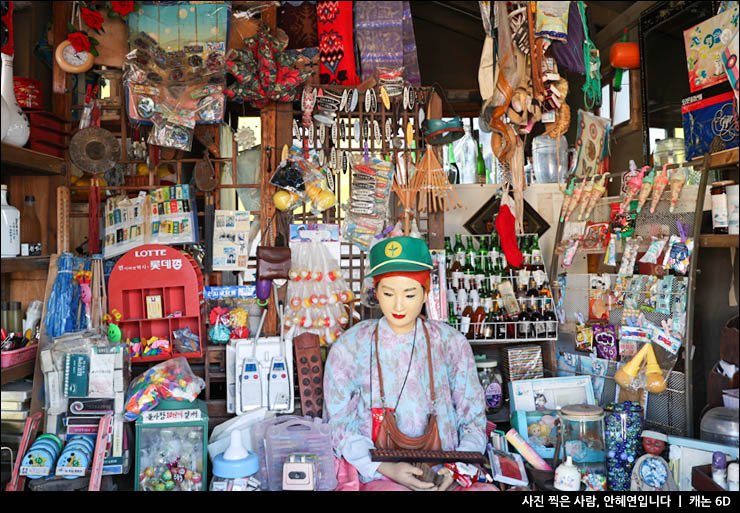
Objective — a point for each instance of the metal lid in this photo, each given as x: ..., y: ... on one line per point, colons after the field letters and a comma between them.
x: 723, y: 182
x: 582, y: 410
x: 94, y: 149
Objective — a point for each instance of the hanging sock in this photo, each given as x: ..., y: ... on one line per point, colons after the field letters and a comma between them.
x: 505, y: 226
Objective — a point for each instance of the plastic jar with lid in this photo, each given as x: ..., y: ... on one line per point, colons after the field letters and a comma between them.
x: 492, y: 382
x: 720, y: 219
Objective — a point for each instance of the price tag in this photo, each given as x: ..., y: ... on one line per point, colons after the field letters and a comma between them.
x: 35, y: 471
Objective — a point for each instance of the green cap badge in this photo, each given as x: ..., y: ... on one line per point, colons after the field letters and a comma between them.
x: 399, y: 254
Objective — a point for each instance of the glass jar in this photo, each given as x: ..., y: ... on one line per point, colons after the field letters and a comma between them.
x: 623, y: 431
x: 582, y: 428
x: 720, y: 219
x: 492, y: 382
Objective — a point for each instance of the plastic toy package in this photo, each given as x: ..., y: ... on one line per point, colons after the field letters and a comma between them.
x: 191, y: 79
x: 317, y: 296
x: 171, y: 379
x: 230, y: 309
x: 367, y: 209
x: 303, y: 181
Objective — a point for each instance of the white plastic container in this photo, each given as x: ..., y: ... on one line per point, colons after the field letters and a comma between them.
x: 11, y: 227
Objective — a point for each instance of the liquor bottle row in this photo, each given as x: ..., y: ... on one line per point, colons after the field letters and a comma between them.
x: 530, y: 316
x: 468, y: 268
x: 488, y: 299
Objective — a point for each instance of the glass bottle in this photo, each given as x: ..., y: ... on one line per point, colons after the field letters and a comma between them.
x: 470, y: 249
x: 459, y: 249
x: 493, y: 248
x: 466, y: 326
x: 480, y: 273
x: 469, y: 272
x: 489, y: 332
x: 545, y: 289
x: 11, y: 239
x: 481, y: 173
x: 448, y: 254
x: 551, y: 320
x: 538, y: 264
x: 456, y: 273
x: 537, y: 328
x: 522, y: 327
x: 499, y: 331
x: 30, y: 229
x: 526, y: 250
x: 452, y: 316
x: 533, y: 292
x: 479, y: 317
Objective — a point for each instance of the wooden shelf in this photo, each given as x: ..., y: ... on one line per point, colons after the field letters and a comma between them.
x: 19, y: 371
x: 719, y: 241
x: 21, y: 161
x: 24, y: 264
x: 720, y: 159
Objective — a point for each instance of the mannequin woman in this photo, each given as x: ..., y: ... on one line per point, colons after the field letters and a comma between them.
x: 418, y: 376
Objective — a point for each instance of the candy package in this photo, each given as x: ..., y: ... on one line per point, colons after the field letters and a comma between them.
x: 171, y: 379
x: 665, y: 297
x: 229, y: 309
x: 584, y: 338
x: 303, y: 180
x: 629, y: 256
x: 605, y: 340
x: 678, y: 255
x: 654, y: 251
x: 650, y: 303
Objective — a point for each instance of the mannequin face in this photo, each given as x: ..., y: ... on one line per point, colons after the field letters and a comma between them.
x: 401, y: 300
x: 653, y: 446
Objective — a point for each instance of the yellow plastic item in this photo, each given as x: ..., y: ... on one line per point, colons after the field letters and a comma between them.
x: 284, y: 200
x: 628, y: 373
x: 655, y: 382
x: 142, y: 169
x: 325, y: 200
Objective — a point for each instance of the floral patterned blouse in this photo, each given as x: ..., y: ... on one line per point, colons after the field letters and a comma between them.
x: 460, y: 404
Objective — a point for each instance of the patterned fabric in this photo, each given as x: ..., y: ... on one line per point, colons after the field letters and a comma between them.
x: 299, y: 22
x: 459, y: 406
x: 336, y: 44
x: 264, y: 72
x: 385, y: 38
x: 569, y: 54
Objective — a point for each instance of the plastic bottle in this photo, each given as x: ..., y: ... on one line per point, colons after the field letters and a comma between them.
x: 719, y: 469
x: 11, y: 235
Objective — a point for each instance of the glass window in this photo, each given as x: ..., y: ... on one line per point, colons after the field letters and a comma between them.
x: 622, y: 103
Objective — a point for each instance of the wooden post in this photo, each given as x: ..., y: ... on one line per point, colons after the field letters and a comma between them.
x: 436, y: 219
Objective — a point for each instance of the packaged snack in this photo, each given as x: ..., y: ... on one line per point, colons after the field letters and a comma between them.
x: 629, y: 256
x: 605, y: 340
x: 678, y: 255
x: 584, y: 338
x: 654, y: 251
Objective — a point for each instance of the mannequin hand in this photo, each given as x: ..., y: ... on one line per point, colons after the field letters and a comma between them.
x: 405, y: 474
x: 448, y: 481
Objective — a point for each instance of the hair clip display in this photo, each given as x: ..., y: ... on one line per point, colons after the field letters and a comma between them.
x: 311, y: 134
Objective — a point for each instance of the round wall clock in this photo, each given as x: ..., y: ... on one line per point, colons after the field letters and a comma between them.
x: 72, y: 61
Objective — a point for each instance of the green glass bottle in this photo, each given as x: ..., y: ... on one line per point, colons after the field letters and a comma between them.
x: 459, y: 249
x: 526, y: 249
x: 451, y: 316
x: 536, y: 262
x: 480, y: 273
x: 481, y: 173
x: 448, y: 255
x: 493, y: 248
